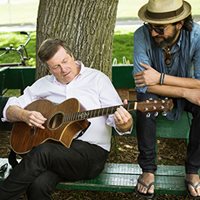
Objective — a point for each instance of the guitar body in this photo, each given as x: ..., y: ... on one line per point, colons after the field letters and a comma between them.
x: 23, y: 137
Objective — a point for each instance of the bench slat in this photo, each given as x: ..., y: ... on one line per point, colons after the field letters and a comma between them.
x: 119, y: 177
x: 124, y: 168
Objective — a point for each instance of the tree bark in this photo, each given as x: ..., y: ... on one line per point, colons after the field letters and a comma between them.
x: 86, y: 25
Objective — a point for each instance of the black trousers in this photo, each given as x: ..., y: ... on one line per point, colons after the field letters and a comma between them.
x: 49, y: 163
x: 146, y: 136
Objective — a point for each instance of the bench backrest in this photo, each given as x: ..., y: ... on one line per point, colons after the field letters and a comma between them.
x: 16, y: 78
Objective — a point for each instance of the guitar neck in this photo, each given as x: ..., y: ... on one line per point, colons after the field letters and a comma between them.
x: 144, y: 106
x: 98, y: 112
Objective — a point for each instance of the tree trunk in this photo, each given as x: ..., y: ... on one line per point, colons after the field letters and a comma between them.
x: 86, y: 25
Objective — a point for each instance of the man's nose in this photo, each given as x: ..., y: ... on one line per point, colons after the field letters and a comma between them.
x: 62, y: 67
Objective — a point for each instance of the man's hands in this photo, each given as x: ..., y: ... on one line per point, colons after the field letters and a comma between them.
x: 178, y: 87
x: 148, y: 77
x: 33, y: 118
x: 123, y: 119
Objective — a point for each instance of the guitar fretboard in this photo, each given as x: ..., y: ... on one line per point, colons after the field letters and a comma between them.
x: 95, y: 113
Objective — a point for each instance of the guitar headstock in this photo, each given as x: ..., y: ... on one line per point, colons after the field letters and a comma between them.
x: 161, y: 105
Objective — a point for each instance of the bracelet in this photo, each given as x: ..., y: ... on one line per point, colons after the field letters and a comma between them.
x: 162, y: 76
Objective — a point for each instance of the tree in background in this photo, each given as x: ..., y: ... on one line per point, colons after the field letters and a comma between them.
x: 86, y: 25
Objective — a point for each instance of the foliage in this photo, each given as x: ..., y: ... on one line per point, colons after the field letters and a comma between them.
x: 122, y: 46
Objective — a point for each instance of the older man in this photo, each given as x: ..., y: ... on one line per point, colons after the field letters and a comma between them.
x: 50, y: 162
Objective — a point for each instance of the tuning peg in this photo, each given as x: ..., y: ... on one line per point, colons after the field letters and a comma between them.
x: 148, y: 115
x: 162, y: 107
x: 156, y: 114
x: 164, y: 114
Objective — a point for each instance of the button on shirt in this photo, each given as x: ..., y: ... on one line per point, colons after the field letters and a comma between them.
x: 92, y: 88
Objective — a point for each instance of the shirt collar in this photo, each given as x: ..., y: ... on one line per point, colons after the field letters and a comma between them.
x: 180, y: 39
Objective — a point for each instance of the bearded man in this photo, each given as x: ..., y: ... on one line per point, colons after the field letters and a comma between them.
x: 167, y: 64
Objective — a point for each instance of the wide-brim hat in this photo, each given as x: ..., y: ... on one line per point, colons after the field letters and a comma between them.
x: 164, y: 11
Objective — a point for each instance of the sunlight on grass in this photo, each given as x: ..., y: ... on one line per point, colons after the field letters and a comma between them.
x: 122, y: 46
x: 15, y: 39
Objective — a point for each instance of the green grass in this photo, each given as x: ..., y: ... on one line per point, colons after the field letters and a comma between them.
x: 15, y: 39
x: 122, y: 46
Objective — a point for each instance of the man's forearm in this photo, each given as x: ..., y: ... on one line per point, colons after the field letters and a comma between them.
x: 181, y: 82
x: 165, y: 90
x: 15, y: 113
x: 192, y: 95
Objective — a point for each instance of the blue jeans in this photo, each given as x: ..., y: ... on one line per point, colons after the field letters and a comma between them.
x: 146, y: 136
x: 49, y: 163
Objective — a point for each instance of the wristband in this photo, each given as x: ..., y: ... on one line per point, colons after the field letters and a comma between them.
x: 162, y: 76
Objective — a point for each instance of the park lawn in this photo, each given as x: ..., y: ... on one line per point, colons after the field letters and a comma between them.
x: 122, y: 47
x: 15, y: 39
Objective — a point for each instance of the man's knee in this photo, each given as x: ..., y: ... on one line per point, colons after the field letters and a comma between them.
x: 41, y: 187
x: 42, y: 150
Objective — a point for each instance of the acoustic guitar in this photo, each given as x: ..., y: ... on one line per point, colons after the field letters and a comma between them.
x: 65, y: 120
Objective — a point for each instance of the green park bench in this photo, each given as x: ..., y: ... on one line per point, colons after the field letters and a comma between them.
x: 118, y: 177
x: 16, y: 78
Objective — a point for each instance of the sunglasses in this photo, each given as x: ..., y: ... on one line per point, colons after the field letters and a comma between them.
x: 160, y: 29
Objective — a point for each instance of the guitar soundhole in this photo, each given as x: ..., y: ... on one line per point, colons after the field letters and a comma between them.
x: 55, y: 121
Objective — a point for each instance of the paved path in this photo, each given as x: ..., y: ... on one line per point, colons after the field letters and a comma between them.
x: 129, y: 24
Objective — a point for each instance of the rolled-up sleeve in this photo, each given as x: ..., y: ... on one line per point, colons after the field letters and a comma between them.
x: 140, y: 54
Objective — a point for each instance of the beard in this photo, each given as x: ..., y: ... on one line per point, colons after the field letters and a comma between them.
x: 161, y: 41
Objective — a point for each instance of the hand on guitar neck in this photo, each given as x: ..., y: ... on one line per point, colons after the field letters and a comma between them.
x: 123, y: 120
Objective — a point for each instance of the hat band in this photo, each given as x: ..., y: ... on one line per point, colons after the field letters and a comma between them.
x: 164, y: 15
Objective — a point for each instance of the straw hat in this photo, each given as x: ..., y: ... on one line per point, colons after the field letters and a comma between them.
x: 164, y: 11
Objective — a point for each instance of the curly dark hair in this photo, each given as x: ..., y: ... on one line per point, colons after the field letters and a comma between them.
x: 188, y: 23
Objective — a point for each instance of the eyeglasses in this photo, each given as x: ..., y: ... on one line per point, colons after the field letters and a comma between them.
x: 160, y: 29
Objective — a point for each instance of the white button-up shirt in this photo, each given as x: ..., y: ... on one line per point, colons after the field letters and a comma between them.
x: 92, y: 88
